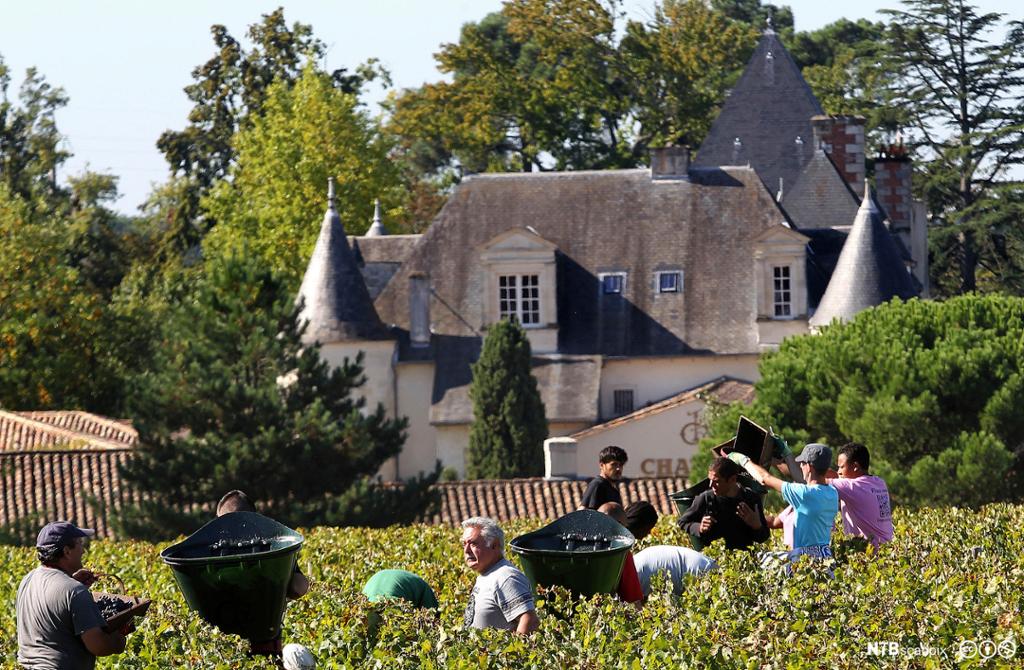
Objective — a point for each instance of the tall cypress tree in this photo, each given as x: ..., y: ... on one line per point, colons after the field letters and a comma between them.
x: 509, y: 425
x: 234, y: 400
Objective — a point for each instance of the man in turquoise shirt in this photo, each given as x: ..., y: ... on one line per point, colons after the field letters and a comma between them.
x: 815, y: 503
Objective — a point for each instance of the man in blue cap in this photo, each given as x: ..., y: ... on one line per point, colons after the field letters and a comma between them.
x: 59, y: 624
x: 815, y: 503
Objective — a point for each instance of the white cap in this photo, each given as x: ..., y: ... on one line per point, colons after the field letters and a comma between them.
x: 297, y: 657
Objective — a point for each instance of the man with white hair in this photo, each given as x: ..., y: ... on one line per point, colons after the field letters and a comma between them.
x: 501, y: 596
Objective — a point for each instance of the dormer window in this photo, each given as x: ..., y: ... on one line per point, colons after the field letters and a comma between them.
x: 518, y: 281
x: 613, y: 282
x: 519, y: 297
x: 669, y: 282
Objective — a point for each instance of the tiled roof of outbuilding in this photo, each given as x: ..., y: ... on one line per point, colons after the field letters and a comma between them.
x: 568, y: 385
x: 34, y: 431
x: 723, y: 389
x: 539, y: 498
x: 769, y: 111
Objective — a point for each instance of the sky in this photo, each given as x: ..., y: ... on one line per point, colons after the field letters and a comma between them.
x: 124, y: 63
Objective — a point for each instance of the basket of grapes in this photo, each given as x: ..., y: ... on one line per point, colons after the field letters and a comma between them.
x: 118, y: 609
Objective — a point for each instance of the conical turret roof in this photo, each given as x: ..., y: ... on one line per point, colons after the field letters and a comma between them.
x: 766, y: 120
x: 336, y: 303
x: 870, y: 270
x: 377, y: 228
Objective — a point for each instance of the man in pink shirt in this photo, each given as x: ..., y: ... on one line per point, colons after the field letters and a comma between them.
x: 863, y: 498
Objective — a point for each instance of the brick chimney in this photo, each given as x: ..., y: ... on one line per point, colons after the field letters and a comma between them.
x: 907, y: 219
x: 842, y: 138
x: 892, y: 184
x: 670, y: 163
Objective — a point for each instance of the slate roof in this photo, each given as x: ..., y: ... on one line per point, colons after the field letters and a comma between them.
x: 768, y: 109
x: 869, y: 272
x: 33, y: 431
x: 379, y: 258
x: 568, y: 385
x: 723, y: 389
x: 336, y: 303
x: 603, y: 221
x: 820, y: 197
x: 539, y: 498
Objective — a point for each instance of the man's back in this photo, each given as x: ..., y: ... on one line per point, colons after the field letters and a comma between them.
x: 53, y: 610
x: 676, y: 561
x: 402, y: 584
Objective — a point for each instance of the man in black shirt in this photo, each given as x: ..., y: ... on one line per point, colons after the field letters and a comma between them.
x: 729, y: 510
x: 605, y: 487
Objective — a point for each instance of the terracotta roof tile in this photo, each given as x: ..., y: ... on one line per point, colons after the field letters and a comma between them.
x: 505, y: 499
x: 29, y: 431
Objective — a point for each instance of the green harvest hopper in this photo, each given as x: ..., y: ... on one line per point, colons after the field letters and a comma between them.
x: 582, y: 551
x: 234, y: 572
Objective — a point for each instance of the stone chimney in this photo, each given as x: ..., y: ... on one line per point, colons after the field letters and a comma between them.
x: 842, y: 138
x: 670, y: 163
x: 419, y: 309
x: 560, y: 458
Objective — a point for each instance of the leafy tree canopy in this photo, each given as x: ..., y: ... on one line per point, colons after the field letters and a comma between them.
x: 228, y: 93
x: 549, y: 84
x: 959, y: 74
x: 276, y: 197
x: 29, y: 140
x: 927, y: 386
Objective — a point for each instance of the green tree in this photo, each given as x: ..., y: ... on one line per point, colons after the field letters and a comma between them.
x: 927, y: 386
x: 276, y: 196
x: 533, y: 88
x: 234, y: 400
x: 963, y: 85
x: 53, y: 329
x: 30, y: 150
x: 509, y: 425
x: 677, y: 68
x: 549, y: 84
x: 227, y: 94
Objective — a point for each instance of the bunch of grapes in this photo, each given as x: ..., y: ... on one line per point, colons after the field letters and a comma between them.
x: 110, y: 606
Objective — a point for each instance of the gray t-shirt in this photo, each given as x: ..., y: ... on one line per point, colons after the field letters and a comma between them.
x: 677, y: 562
x: 499, y: 597
x: 53, y: 610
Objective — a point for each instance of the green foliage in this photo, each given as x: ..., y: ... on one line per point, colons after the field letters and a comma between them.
x: 29, y: 139
x: 507, y: 435
x: 929, y: 387
x: 677, y: 69
x: 53, y: 329
x: 308, y: 130
x: 960, y: 72
x: 950, y: 576
x: 228, y: 94
x: 565, y: 85
x: 234, y: 400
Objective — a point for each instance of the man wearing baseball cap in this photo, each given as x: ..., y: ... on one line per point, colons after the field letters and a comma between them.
x: 815, y: 503
x: 59, y: 624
